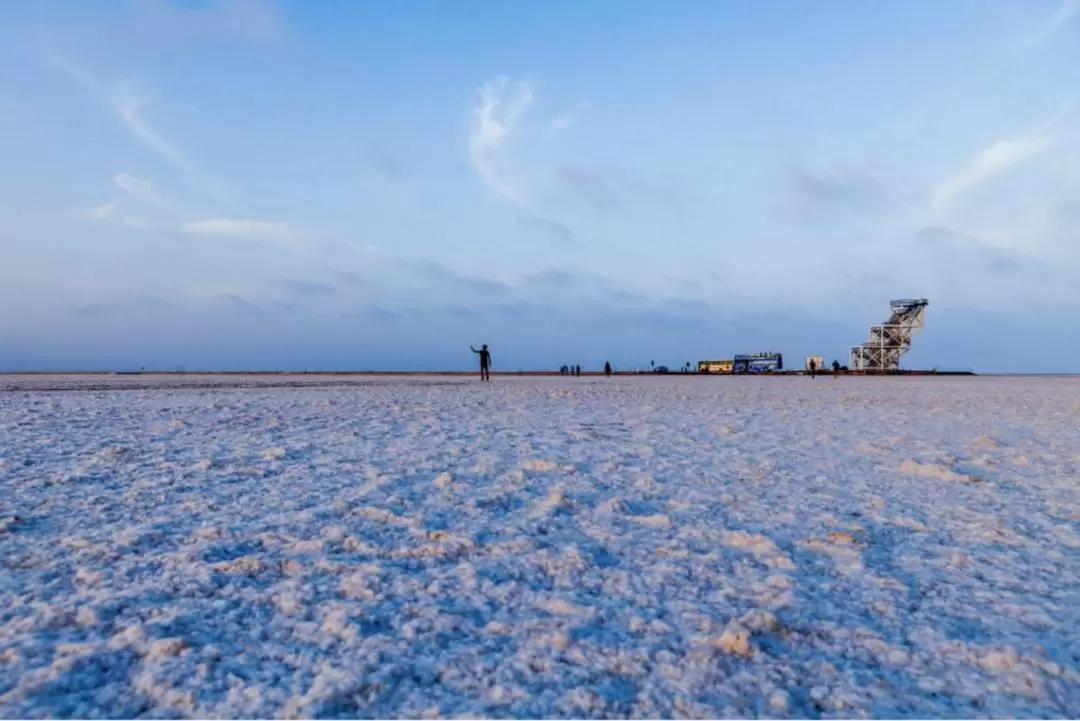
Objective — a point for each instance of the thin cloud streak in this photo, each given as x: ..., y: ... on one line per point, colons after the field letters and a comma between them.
x: 102, y: 212
x: 996, y: 159
x: 143, y: 191
x: 129, y: 108
x: 109, y: 212
x: 1065, y: 13
x: 240, y: 228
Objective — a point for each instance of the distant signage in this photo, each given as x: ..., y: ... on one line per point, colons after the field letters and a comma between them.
x: 758, y: 362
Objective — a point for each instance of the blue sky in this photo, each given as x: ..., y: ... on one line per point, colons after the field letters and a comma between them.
x: 257, y: 184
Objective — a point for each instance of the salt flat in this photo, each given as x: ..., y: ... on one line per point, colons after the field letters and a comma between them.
x: 669, y: 547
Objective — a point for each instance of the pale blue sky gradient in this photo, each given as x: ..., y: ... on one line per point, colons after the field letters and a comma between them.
x: 258, y: 184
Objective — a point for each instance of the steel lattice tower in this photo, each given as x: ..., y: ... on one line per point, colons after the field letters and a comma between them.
x: 891, y: 339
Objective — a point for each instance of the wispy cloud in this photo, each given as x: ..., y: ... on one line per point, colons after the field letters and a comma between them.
x: 497, y: 114
x: 1041, y: 34
x: 992, y: 161
x: 79, y: 73
x: 143, y: 191
x: 240, y: 228
x: 102, y: 212
x: 997, y: 159
x: 124, y: 102
x: 501, y: 106
x: 110, y: 212
x: 129, y: 107
x: 174, y: 217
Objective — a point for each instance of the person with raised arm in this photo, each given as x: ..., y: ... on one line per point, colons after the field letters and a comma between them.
x: 485, y: 361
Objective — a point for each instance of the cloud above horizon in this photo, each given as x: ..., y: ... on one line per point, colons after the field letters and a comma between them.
x: 129, y: 108
x: 998, y: 158
x: 259, y: 168
x: 500, y: 107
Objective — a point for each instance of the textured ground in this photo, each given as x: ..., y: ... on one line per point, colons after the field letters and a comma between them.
x: 669, y: 547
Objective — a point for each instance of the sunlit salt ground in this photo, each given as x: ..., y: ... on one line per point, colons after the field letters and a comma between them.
x: 662, y: 547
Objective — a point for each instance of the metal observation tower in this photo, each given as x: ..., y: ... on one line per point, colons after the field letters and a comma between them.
x: 891, y: 339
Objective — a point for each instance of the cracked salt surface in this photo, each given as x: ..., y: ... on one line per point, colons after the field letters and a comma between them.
x: 653, y: 547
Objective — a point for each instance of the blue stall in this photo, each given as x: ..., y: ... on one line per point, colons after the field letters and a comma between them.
x: 758, y: 362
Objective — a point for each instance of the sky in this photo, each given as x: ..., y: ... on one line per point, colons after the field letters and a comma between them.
x: 250, y: 184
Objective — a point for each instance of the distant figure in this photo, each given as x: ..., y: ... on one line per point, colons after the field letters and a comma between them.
x: 485, y: 361
x: 836, y: 369
x: 607, y: 369
x: 813, y: 367
x: 577, y: 371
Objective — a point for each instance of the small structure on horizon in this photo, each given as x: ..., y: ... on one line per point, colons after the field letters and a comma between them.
x: 891, y: 339
x: 723, y: 365
x: 765, y: 362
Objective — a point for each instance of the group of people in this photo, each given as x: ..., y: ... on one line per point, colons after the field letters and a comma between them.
x: 814, y: 369
x: 576, y: 370
x: 485, y: 365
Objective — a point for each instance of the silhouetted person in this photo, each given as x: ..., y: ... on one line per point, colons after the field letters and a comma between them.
x: 813, y: 367
x: 836, y: 369
x: 485, y: 361
x: 607, y: 369
x: 577, y: 371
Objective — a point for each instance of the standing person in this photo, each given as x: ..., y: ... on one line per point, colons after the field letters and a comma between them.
x: 607, y: 368
x: 836, y: 369
x: 485, y: 361
x: 813, y: 367
x: 577, y: 371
